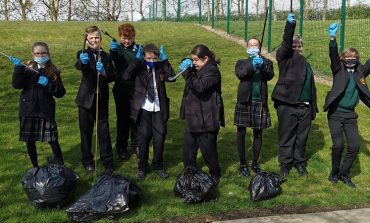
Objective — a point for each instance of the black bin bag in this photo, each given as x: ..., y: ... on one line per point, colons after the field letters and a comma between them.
x: 195, y: 186
x: 49, y: 186
x: 264, y: 185
x: 111, y: 195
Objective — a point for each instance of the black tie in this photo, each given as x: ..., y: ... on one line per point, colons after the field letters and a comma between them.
x: 151, y: 93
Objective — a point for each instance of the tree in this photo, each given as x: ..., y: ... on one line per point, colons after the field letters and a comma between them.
x: 24, y: 8
x: 53, y: 7
x: 5, y: 9
x: 325, y: 10
x: 307, y: 5
x: 69, y: 9
x: 208, y: 10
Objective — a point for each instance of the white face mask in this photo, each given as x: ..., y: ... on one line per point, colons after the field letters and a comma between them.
x: 253, y: 51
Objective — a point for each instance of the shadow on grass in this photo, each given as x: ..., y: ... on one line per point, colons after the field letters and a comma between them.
x: 356, y: 166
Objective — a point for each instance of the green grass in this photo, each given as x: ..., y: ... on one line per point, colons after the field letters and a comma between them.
x: 158, y: 201
x: 315, y: 38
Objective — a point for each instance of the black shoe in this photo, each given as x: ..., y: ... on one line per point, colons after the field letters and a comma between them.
x: 347, y: 180
x: 108, y: 171
x: 302, y: 171
x: 333, y: 179
x: 89, y: 168
x: 162, y: 173
x: 122, y: 153
x: 284, y: 171
x: 256, y: 167
x: 244, y: 170
x: 140, y: 175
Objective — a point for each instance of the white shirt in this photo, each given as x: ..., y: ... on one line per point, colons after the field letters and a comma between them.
x: 152, y: 106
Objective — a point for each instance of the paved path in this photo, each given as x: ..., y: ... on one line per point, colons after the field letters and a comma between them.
x: 345, y: 216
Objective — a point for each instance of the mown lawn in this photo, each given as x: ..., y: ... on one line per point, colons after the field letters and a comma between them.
x: 158, y: 201
x: 315, y: 37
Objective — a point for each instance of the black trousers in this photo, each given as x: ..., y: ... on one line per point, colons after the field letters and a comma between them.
x: 341, y: 123
x: 124, y: 124
x: 294, y: 126
x: 207, y: 142
x: 31, y: 148
x: 151, y: 125
x: 257, y: 144
x: 86, y: 120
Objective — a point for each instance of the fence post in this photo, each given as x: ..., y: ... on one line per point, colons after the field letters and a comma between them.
x: 342, y: 28
x: 301, y: 9
x: 200, y: 11
x: 178, y: 10
x: 246, y: 22
x: 228, y: 17
x: 213, y: 14
x: 269, y: 27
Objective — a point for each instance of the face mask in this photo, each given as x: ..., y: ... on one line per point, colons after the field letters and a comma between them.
x: 41, y: 60
x: 350, y: 62
x: 253, y: 51
x: 151, y: 65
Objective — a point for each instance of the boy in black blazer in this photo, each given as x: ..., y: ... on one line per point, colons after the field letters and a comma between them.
x: 92, y: 62
x: 150, y: 106
x: 294, y: 98
x: 349, y: 85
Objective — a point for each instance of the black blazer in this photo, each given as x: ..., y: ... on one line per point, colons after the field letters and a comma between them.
x: 341, y: 78
x: 87, y: 91
x: 36, y: 100
x: 244, y: 71
x: 202, y: 106
x: 292, y: 73
x: 139, y: 72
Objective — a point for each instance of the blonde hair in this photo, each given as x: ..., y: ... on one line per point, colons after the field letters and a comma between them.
x: 91, y: 29
x: 350, y: 52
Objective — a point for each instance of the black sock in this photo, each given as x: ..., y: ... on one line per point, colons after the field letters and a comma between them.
x: 31, y: 148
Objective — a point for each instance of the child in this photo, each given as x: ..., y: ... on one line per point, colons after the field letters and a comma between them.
x: 92, y: 62
x: 37, y: 104
x: 251, y: 109
x: 150, y: 106
x: 349, y: 85
x: 123, y: 54
x: 202, y: 108
x: 295, y: 100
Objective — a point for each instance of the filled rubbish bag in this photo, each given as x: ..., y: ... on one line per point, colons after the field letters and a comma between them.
x: 49, y: 186
x: 111, y: 195
x: 264, y: 185
x: 195, y: 186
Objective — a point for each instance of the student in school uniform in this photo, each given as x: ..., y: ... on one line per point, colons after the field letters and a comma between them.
x: 295, y: 100
x: 150, y: 106
x: 94, y: 62
x: 251, y: 109
x: 123, y: 54
x: 349, y: 86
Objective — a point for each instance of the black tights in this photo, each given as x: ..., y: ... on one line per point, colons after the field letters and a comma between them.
x: 257, y: 143
x: 31, y: 148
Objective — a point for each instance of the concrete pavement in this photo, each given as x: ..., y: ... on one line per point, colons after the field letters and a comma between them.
x: 343, y: 216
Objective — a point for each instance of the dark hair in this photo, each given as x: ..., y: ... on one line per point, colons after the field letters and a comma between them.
x: 202, y: 51
x: 50, y: 69
x: 259, y: 42
x: 126, y: 30
x: 151, y: 48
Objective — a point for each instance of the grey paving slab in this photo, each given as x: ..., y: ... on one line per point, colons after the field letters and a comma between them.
x: 343, y: 216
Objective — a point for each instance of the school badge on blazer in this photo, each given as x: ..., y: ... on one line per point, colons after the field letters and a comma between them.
x: 363, y: 81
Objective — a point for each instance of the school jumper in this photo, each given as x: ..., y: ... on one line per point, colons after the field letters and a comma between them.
x: 251, y: 109
x: 203, y: 112
x: 123, y: 91
x: 37, y: 110
x: 150, y: 109
x: 294, y: 98
x: 86, y: 101
x: 348, y: 87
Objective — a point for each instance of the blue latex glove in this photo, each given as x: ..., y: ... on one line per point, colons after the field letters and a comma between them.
x: 113, y: 45
x: 84, y: 57
x: 43, y: 80
x: 332, y: 29
x: 139, y: 53
x: 291, y: 18
x: 257, y: 63
x: 185, y: 64
x: 163, y: 54
x: 15, y: 61
x: 100, y: 67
